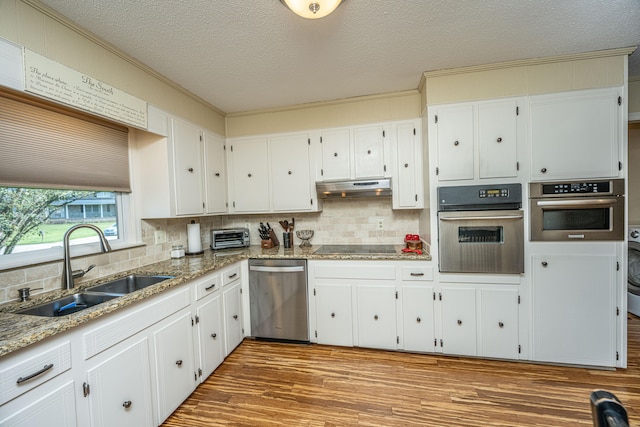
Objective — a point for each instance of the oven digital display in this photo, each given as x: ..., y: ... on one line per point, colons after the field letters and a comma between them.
x: 577, y: 187
x: 494, y: 192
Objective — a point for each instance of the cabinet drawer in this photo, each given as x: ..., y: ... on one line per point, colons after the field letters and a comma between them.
x: 207, y: 285
x: 33, y: 369
x: 416, y: 273
x: 230, y: 275
x: 355, y: 271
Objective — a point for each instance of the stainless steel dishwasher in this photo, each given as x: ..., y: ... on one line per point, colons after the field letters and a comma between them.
x: 278, y: 299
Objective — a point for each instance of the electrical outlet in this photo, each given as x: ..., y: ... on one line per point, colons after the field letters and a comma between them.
x: 247, y: 225
x: 379, y: 224
x: 160, y: 236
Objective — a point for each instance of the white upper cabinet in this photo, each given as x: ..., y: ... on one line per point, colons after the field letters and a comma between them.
x: 336, y: 154
x: 476, y: 140
x: 249, y: 173
x: 215, y: 173
x: 576, y: 134
x: 368, y: 151
x: 291, y: 173
x: 407, y: 178
x: 358, y: 152
x: 188, y: 172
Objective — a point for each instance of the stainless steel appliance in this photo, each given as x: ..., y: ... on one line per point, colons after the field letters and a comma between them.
x: 278, y: 299
x: 230, y: 238
x: 633, y: 271
x: 481, y: 229
x: 361, y: 188
x: 356, y: 250
x: 577, y: 210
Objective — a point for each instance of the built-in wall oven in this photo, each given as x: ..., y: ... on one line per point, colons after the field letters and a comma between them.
x: 577, y: 210
x: 481, y: 229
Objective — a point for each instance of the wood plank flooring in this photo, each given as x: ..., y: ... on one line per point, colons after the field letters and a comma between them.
x: 273, y: 384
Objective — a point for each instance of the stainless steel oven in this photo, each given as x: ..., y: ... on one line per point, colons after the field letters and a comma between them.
x: 577, y: 210
x: 481, y: 229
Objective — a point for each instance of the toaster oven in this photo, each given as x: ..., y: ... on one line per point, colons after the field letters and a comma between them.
x: 229, y: 238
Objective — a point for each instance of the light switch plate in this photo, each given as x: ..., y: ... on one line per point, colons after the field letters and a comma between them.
x: 160, y: 236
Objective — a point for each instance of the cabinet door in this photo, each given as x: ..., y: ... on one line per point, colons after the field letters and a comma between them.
x: 188, y: 174
x: 290, y: 173
x: 232, y: 301
x: 336, y: 155
x: 575, y: 135
x: 458, y: 307
x: 455, y: 142
x: 120, y: 388
x: 174, y: 364
x: 497, y: 139
x: 408, y: 191
x: 417, y: 318
x: 334, y: 321
x: 499, y: 323
x: 376, y: 305
x: 368, y: 152
x: 250, y: 180
x: 55, y: 409
x: 210, y: 336
x: 574, y: 309
x: 215, y: 174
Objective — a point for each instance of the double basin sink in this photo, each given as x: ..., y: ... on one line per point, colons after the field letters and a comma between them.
x: 94, y: 295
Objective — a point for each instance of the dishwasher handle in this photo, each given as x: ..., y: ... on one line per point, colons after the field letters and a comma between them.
x: 276, y: 269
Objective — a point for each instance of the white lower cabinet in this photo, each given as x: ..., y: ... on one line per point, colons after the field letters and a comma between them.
x: 232, y: 301
x: 499, y: 335
x: 55, y: 408
x: 376, y: 314
x: 118, y: 386
x: 418, y: 318
x: 209, y: 336
x: 334, y: 318
x: 175, y: 372
x: 458, y: 307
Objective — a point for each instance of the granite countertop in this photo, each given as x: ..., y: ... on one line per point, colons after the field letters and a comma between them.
x: 19, y: 330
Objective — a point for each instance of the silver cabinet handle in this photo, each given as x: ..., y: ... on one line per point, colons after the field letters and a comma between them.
x: 231, y: 276
x: 375, y: 317
x: 214, y: 336
x: 581, y: 202
x: 276, y: 269
x: 483, y: 218
x: 500, y: 324
x: 459, y: 322
x: 235, y: 317
x: 208, y: 288
x: 179, y: 362
x: 418, y: 320
x: 127, y: 404
x: 35, y: 374
x: 417, y: 274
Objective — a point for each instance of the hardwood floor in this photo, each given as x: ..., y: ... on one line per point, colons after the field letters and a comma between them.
x: 273, y: 384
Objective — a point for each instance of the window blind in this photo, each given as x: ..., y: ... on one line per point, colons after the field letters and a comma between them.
x: 43, y: 145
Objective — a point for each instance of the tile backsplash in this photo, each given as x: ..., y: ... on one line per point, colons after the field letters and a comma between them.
x: 341, y: 222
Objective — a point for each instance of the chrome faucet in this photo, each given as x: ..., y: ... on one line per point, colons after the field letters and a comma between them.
x: 67, y: 273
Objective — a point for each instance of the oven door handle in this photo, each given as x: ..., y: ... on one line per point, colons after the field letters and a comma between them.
x: 276, y: 269
x: 570, y: 203
x: 482, y: 218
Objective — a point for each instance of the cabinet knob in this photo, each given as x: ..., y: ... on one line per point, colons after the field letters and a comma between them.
x: 179, y: 362
x: 418, y: 320
x: 459, y: 322
x: 249, y: 175
x: 235, y: 317
x: 190, y: 170
x: 543, y: 170
x: 456, y: 143
x: 214, y: 335
x: 335, y: 154
x: 333, y: 315
x: 375, y: 317
x: 126, y: 404
x: 406, y: 165
x: 499, y: 140
x: 289, y: 172
x: 544, y: 263
x: 501, y: 324
x: 217, y: 174
x: 368, y: 151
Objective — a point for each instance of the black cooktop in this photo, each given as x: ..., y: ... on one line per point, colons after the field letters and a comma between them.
x: 356, y: 249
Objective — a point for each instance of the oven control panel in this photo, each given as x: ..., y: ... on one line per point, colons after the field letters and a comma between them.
x: 493, y: 192
x: 577, y: 187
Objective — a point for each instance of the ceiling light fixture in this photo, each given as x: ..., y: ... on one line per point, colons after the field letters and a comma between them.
x: 312, y: 9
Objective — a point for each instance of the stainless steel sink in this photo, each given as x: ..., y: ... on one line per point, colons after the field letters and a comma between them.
x: 67, y: 305
x: 128, y: 284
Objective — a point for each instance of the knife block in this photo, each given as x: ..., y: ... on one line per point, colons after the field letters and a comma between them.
x: 273, y: 241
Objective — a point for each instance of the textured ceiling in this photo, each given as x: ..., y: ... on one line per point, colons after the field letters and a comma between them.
x: 248, y: 55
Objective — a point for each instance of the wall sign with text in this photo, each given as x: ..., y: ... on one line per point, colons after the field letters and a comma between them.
x: 55, y: 81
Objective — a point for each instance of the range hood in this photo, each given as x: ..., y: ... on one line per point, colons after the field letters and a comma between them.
x: 348, y: 189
